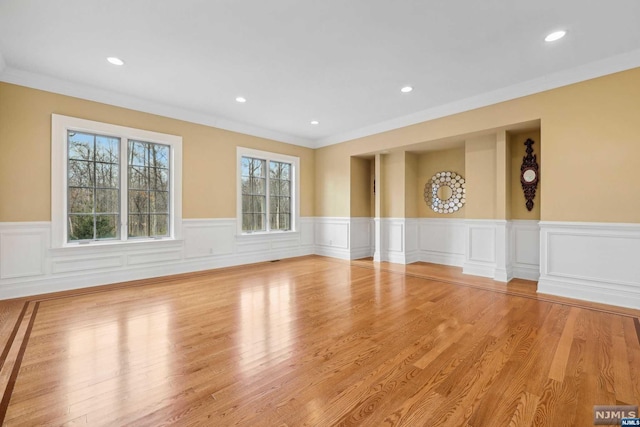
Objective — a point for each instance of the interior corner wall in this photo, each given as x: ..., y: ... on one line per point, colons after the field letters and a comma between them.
x: 480, y: 171
x: 410, y: 185
x: 360, y: 187
x: 332, y: 182
x: 392, y: 186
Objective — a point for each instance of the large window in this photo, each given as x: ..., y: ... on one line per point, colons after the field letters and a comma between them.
x: 113, y: 184
x: 267, y: 191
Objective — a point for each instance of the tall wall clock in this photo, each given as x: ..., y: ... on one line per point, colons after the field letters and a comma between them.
x: 529, y: 175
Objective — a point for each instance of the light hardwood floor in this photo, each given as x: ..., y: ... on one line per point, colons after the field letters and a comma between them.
x: 315, y: 341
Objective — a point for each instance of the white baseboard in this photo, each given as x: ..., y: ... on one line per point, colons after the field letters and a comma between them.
x: 454, y: 260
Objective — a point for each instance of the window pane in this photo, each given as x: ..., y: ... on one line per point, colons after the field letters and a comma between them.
x: 258, y: 186
x: 247, y: 222
x: 107, y: 201
x: 274, y: 187
x: 80, y: 145
x: 279, y: 170
x: 138, y: 226
x: 80, y: 173
x: 80, y: 200
x: 246, y: 204
x: 159, y: 202
x: 285, y: 204
x: 244, y: 166
x: 107, y: 175
x: 138, y: 178
x: 285, y: 188
x: 285, y: 220
x: 253, y: 167
x: 138, y: 202
x: 258, y: 168
x: 80, y: 227
x: 259, y: 204
x: 279, y: 222
x: 159, y: 225
x: 107, y: 149
x: 137, y: 155
x: 245, y: 185
x: 159, y: 156
x: 159, y: 179
x: 106, y: 226
x: 259, y: 222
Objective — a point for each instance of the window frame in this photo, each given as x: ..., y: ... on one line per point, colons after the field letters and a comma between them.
x: 295, y: 189
x: 60, y: 125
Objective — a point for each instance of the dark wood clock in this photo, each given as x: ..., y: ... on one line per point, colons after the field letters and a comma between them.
x: 529, y: 175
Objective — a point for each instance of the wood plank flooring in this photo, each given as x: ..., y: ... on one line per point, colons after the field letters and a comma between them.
x: 314, y: 341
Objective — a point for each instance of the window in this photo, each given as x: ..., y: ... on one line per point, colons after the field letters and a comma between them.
x: 268, y: 189
x: 113, y: 184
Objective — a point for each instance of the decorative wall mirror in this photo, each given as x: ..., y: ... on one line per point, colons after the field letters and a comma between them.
x: 445, y: 192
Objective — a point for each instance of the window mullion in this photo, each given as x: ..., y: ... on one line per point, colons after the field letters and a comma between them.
x: 267, y: 196
x: 124, y: 189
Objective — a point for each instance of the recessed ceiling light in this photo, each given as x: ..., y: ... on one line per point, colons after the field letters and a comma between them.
x: 406, y: 89
x: 241, y: 99
x: 315, y: 122
x: 557, y: 35
x: 115, y: 61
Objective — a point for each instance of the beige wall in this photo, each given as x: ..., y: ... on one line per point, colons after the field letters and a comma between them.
x: 518, y: 208
x: 393, y: 187
x: 209, y: 155
x: 410, y: 185
x: 591, y: 138
x: 360, y: 187
x: 480, y: 170
x: 429, y: 164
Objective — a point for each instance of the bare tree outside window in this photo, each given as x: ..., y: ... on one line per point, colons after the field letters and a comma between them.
x: 264, y: 198
x: 254, y: 194
x: 93, y: 186
x: 279, y: 196
x: 148, y: 192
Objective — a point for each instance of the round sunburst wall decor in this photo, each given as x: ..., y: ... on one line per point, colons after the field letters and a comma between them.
x: 445, y: 192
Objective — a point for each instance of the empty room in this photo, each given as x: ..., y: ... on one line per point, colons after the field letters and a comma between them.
x: 297, y: 213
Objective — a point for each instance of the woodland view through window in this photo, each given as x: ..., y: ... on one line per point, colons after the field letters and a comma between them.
x: 268, y: 192
x: 94, y: 195
x: 113, y: 184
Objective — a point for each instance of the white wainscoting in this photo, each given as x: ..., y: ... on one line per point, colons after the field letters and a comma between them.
x: 344, y: 237
x: 28, y: 264
x: 525, y: 249
x: 597, y: 262
x: 480, y: 247
x: 441, y: 241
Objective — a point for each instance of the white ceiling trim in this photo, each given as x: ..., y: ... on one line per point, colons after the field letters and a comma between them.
x: 55, y: 85
x: 592, y: 70
x: 574, y: 75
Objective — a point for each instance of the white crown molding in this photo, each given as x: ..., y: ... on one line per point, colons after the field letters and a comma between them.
x: 588, y: 71
x: 63, y: 87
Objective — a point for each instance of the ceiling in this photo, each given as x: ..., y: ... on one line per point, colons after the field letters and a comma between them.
x: 336, y: 61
